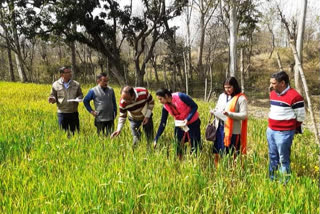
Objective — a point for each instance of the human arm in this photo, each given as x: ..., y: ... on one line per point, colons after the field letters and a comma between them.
x: 162, y: 125
x: 114, y: 104
x: 299, y: 111
x: 86, y: 101
x: 79, y: 93
x: 121, y: 120
x: 150, y: 103
x: 122, y: 115
x: 53, y: 96
x: 242, y: 114
x: 188, y: 101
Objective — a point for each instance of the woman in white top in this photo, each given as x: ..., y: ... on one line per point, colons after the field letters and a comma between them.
x: 232, y: 106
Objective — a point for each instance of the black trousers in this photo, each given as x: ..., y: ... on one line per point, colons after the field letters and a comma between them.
x: 69, y: 121
x: 106, y: 127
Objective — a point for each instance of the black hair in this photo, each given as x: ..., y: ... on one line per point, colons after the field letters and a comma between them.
x: 281, y: 76
x: 98, y: 77
x: 61, y: 70
x: 128, y: 90
x: 162, y: 92
x: 234, y: 83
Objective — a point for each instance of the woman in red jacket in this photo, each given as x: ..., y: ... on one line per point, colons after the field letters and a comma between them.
x: 187, y: 121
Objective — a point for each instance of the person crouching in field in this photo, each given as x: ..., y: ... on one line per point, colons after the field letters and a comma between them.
x: 104, y: 103
x: 231, y: 113
x: 138, y: 102
x: 67, y: 94
x: 187, y: 121
x: 285, y: 118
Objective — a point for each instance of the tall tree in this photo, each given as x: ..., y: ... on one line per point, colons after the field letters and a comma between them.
x: 11, y: 22
x: 299, y: 45
x: 152, y: 24
x: 233, y: 31
x: 206, y: 9
x: 98, y: 31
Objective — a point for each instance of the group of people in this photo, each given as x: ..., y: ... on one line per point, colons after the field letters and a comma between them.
x: 231, y: 115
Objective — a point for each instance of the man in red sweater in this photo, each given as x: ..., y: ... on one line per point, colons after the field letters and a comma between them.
x: 285, y: 118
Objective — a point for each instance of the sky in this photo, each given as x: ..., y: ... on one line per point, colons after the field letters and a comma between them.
x: 290, y: 8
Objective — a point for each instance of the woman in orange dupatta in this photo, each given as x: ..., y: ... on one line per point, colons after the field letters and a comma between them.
x: 231, y: 120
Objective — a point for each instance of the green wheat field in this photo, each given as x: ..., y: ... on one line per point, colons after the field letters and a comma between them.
x: 44, y: 171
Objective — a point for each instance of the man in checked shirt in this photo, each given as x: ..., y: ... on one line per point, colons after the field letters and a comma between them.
x: 138, y: 102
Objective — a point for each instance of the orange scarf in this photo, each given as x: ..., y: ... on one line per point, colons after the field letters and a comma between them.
x: 229, y: 126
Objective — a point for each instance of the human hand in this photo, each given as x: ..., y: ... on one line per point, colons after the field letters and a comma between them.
x: 185, y: 122
x: 94, y: 113
x: 212, y: 111
x: 114, y: 134
x: 225, y: 113
x: 145, y: 120
x: 154, y: 144
x: 51, y: 100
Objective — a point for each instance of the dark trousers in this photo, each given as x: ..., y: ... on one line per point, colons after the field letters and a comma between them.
x: 136, y: 132
x: 69, y: 121
x: 106, y: 127
x: 220, y: 148
x: 195, y: 137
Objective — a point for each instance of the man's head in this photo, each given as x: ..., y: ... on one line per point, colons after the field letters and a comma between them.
x: 65, y: 73
x: 279, y: 81
x: 102, y: 80
x: 127, y: 94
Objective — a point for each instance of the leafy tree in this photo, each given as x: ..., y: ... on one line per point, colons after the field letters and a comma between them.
x: 74, y: 20
x: 153, y: 24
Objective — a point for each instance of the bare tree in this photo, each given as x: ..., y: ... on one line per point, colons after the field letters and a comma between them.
x: 8, y: 22
x: 233, y: 38
x: 298, y: 63
x: 299, y: 45
x: 206, y: 9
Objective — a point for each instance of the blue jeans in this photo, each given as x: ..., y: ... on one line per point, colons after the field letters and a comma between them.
x: 136, y: 132
x: 279, y: 143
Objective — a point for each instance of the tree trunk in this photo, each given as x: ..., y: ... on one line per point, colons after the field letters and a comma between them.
x: 202, y: 35
x: 165, y: 76
x: 11, y: 73
x: 211, y: 83
x: 279, y: 62
x: 186, y: 72
x: 18, y: 54
x: 188, y: 61
x: 20, y: 68
x: 174, y: 73
x: 299, y: 44
x: 155, y: 68
x: 205, y: 88
x: 74, y: 60
x: 306, y: 90
x: 233, y: 39
x: 272, y: 40
x: 139, y: 75
x: 241, y: 70
x: 117, y: 75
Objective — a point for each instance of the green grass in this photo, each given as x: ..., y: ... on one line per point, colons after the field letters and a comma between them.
x: 42, y: 170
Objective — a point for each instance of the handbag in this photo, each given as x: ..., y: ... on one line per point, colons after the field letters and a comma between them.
x: 211, y: 130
